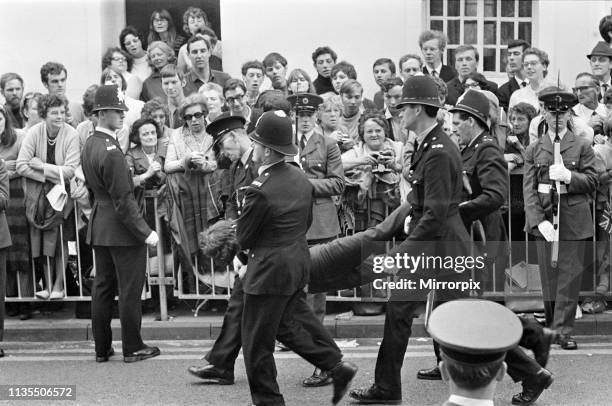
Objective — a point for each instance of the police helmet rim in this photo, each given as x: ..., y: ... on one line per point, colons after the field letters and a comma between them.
x: 305, y: 101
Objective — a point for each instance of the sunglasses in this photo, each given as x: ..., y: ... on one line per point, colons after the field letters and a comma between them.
x: 189, y: 117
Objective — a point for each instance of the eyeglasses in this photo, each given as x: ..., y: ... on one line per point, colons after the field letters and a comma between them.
x: 189, y: 117
x: 532, y: 63
x: 119, y: 59
x: 237, y: 98
x: 472, y: 85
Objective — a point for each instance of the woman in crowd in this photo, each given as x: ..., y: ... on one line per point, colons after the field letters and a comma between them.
x: 29, y: 109
x: 158, y: 112
x: 132, y: 42
x: 146, y: 162
x: 49, y: 156
x: 519, y: 117
x: 5, y: 241
x: 123, y: 62
x: 19, y: 269
x: 161, y: 28
x: 410, y: 65
x: 215, y: 102
x: 475, y: 80
x: 329, y: 121
x: 299, y: 81
x: 535, y: 63
x: 160, y: 55
x: 112, y: 76
x: 86, y: 128
x: 189, y: 165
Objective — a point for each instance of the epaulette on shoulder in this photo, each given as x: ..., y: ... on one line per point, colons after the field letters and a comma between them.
x: 257, y: 183
x: 486, y: 141
x: 110, y: 146
x: 438, y: 145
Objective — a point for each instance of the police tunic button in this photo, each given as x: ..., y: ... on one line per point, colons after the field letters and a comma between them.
x: 573, y: 163
x: 303, y: 159
x: 252, y: 255
x: 266, y: 174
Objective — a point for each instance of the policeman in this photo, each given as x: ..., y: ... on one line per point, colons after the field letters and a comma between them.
x: 276, y: 216
x: 319, y: 157
x: 117, y: 232
x: 435, y: 228
x: 474, y: 336
x: 222, y: 356
x: 567, y: 185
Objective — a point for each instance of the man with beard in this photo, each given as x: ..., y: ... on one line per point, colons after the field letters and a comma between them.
x: 11, y: 87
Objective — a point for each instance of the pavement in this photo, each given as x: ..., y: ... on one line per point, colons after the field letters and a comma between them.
x: 57, y: 322
x: 580, y: 376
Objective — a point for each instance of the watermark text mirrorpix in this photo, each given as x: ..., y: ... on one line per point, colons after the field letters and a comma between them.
x: 424, y: 263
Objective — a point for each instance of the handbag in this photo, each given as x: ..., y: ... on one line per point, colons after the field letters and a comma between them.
x: 57, y: 196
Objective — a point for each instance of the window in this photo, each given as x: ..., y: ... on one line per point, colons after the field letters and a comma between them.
x: 486, y: 24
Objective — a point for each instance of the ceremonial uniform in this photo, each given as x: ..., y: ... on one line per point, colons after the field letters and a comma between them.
x: 117, y: 232
x: 560, y: 286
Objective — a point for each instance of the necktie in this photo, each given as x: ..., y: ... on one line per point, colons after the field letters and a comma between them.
x: 434, y: 73
x: 557, y: 139
x: 302, y: 142
x: 604, y: 88
x: 523, y: 83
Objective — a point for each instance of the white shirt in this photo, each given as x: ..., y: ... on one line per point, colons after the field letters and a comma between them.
x: 586, y: 113
x: 437, y: 69
x: 463, y: 401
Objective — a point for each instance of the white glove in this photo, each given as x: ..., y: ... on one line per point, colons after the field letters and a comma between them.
x: 242, y: 271
x: 547, y: 230
x: 560, y: 173
x: 152, y: 239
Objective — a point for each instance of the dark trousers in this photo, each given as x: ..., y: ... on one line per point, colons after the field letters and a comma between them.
x: 561, y: 286
x: 266, y: 316
x: 225, y: 350
x: 3, y: 252
x: 123, y: 267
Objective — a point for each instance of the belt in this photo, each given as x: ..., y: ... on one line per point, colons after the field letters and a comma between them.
x: 545, y: 188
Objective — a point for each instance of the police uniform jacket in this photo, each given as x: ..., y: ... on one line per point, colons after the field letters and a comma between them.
x: 486, y: 171
x: 276, y: 215
x: 436, y: 179
x: 575, y: 220
x: 240, y: 175
x: 321, y: 162
x: 115, y: 219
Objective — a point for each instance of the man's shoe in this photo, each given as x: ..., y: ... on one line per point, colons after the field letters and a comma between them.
x: 1, y: 353
x: 104, y: 358
x: 145, y: 353
x: 541, y: 351
x: 342, y: 374
x: 567, y: 343
x: 374, y: 395
x: 533, y: 388
x: 432, y: 374
x: 318, y: 378
x: 213, y: 374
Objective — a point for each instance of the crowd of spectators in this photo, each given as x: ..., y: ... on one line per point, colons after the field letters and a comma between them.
x: 174, y: 86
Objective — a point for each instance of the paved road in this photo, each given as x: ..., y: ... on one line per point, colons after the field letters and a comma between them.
x: 582, y: 377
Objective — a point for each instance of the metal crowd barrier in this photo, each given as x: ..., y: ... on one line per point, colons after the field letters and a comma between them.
x: 205, y: 287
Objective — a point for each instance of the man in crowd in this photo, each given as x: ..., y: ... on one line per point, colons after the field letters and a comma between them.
x: 383, y: 69
x: 515, y: 66
x: 235, y: 93
x: 392, y: 92
x: 466, y: 62
x: 253, y: 76
x: 276, y: 216
x: 117, y: 232
x: 11, y: 87
x: 199, y: 48
x: 435, y: 229
x: 275, y: 66
x: 433, y: 44
x: 323, y: 59
x: 473, y: 366
x: 172, y: 84
x: 319, y: 158
x: 563, y: 187
x: 351, y: 94
x: 589, y: 109
x: 53, y: 76
x: 600, y: 59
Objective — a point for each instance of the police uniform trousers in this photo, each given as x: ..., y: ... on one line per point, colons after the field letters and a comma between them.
x: 317, y: 301
x: 123, y: 267
x: 288, y: 318
x: 561, y: 286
